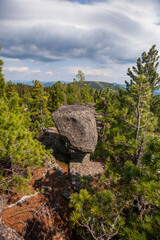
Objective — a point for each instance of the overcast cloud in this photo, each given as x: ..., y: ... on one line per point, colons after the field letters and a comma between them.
x: 55, y: 38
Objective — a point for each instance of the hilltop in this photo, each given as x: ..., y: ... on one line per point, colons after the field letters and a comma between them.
x: 103, y: 85
x: 92, y: 84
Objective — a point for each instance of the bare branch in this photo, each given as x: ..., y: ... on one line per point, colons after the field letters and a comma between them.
x: 128, y: 122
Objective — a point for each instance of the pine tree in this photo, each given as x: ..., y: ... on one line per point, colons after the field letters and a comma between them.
x: 136, y: 114
x: 18, y: 150
x: 37, y: 102
x: 147, y: 65
x: 72, y: 93
x: 58, y: 95
x: 84, y: 93
x: 80, y: 80
x: 10, y: 90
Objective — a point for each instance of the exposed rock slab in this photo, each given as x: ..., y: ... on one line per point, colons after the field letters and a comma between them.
x: 76, y: 125
x: 7, y: 233
x: 86, y: 168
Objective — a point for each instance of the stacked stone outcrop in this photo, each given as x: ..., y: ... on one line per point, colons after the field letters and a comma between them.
x: 77, y: 129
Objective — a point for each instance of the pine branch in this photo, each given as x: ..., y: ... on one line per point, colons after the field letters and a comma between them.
x: 128, y: 122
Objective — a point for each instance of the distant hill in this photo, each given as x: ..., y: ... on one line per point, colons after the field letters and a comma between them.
x: 120, y: 84
x: 91, y: 84
x: 103, y: 85
x: 45, y: 84
x: 48, y: 84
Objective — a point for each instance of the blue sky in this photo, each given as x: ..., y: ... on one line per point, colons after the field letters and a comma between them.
x: 50, y: 40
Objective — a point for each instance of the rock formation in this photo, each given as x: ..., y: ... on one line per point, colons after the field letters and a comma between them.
x: 7, y: 233
x: 76, y: 125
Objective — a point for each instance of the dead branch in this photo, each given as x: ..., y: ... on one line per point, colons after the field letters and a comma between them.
x: 22, y: 200
x: 31, y: 210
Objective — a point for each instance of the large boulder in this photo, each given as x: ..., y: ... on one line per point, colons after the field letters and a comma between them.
x: 76, y: 125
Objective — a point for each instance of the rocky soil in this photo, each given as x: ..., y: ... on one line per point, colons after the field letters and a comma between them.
x: 45, y: 215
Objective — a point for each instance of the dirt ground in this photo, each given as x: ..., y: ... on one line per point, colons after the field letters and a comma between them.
x: 45, y: 215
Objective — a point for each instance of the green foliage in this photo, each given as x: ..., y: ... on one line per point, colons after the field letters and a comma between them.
x: 147, y: 65
x: 20, y: 182
x: 10, y: 90
x: 100, y: 148
x: 149, y: 186
x: 82, y: 91
x: 126, y: 119
x: 129, y: 200
x: 103, y: 86
x: 16, y: 140
x: 18, y: 149
x: 36, y: 104
x: 125, y: 202
x: 107, y: 105
x: 96, y: 212
x: 72, y: 93
x: 58, y: 95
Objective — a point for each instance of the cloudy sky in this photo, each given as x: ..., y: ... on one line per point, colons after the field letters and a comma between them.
x: 50, y: 40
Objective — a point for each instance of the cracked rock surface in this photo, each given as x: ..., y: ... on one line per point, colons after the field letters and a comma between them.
x: 76, y: 125
x: 7, y: 233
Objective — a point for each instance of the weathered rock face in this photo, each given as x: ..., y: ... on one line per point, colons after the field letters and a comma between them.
x: 76, y: 125
x: 7, y: 233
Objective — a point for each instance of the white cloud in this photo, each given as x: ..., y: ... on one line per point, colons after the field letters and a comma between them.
x: 111, y: 33
x: 88, y: 71
x: 58, y: 30
x: 49, y: 73
x: 21, y: 69
x: 16, y: 69
x: 11, y: 59
x: 36, y: 71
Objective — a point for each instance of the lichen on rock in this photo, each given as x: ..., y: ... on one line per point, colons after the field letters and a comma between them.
x: 76, y: 125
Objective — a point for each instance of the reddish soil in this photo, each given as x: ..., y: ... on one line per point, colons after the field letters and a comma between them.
x: 46, y: 215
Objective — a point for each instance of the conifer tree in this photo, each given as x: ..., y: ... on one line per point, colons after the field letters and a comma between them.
x: 84, y: 93
x: 37, y: 102
x: 18, y: 150
x: 10, y: 90
x: 58, y: 95
x: 147, y: 65
x: 72, y: 93
x: 136, y: 114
